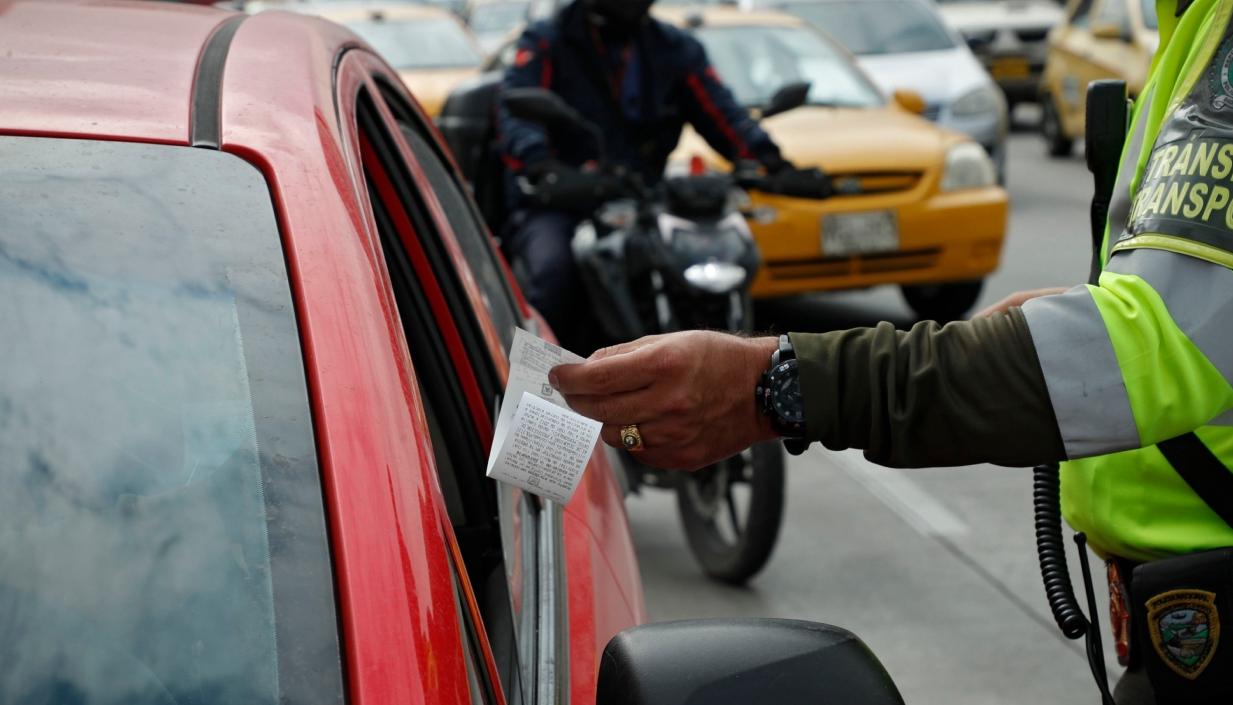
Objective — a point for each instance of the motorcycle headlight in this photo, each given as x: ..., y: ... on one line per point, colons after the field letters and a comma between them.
x: 716, y: 277
x: 967, y: 167
x: 978, y: 101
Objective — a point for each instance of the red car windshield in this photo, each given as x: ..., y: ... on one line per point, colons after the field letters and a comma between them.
x: 162, y: 536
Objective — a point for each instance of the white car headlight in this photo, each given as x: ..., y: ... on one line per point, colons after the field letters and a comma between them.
x: 968, y: 166
x: 981, y: 100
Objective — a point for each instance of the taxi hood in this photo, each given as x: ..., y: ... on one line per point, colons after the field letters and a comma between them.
x: 847, y: 140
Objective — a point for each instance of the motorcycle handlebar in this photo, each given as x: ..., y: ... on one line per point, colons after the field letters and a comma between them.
x: 585, y: 190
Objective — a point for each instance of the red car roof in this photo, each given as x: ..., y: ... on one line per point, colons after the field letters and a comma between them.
x: 128, y: 69
x: 102, y: 69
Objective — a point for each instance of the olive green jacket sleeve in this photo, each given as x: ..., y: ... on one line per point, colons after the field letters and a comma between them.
x: 969, y: 392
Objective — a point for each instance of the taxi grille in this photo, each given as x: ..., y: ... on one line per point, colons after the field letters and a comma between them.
x: 854, y: 266
x: 867, y: 183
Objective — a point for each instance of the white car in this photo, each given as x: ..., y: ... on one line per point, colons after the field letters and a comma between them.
x: 1009, y: 37
x: 905, y: 44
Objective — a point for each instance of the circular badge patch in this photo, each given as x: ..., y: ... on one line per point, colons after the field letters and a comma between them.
x: 1222, y: 83
x: 1185, y: 630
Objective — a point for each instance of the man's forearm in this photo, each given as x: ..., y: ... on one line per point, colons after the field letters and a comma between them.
x: 966, y: 393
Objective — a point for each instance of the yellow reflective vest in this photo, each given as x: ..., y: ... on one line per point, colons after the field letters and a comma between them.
x: 1147, y: 353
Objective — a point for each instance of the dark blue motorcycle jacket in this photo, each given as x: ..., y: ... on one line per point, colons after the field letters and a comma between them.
x: 641, y: 96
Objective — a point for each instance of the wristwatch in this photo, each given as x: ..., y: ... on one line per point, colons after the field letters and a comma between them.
x: 779, y: 397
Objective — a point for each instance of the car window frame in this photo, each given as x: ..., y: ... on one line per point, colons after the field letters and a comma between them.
x: 350, y: 80
x: 546, y: 679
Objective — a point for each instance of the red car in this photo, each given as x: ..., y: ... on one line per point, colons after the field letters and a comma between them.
x: 252, y: 336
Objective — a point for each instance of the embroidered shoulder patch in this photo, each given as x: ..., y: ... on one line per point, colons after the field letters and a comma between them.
x: 1185, y: 629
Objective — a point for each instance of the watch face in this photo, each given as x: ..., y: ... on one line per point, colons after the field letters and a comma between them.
x: 786, y: 394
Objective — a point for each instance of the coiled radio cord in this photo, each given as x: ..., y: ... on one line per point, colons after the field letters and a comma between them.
x: 1051, y: 550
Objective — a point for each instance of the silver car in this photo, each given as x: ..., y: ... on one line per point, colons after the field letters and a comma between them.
x: 1009, y: 38
x: 905, y: 44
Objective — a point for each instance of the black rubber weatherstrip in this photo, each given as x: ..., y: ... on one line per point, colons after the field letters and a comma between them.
x: 205, y: 122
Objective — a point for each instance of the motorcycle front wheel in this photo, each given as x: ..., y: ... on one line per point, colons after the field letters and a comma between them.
x: 732, y: 511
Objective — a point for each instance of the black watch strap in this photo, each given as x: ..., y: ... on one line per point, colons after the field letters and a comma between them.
x: 766, y: 394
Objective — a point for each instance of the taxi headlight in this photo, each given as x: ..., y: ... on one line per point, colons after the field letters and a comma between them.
x: 968, y: 166
x: 978, y: 101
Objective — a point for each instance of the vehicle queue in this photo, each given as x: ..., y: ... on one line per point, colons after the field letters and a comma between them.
x: 917, y: 202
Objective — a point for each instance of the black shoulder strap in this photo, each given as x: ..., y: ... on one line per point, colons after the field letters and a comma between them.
x: 1203, y: 471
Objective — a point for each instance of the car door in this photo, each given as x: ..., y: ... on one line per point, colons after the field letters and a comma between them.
x: 458, y: 312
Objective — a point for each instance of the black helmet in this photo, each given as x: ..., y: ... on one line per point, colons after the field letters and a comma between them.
x: 620, y: 15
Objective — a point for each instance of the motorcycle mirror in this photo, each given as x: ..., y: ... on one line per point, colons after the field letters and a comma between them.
x: 741, y: 661
x: 789, y: 97
x: 541, y: 106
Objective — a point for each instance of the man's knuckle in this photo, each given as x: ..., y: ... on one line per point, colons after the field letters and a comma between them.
x: 679, y: 404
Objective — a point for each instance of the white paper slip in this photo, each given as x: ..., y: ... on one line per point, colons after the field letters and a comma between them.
x: 544, y: 449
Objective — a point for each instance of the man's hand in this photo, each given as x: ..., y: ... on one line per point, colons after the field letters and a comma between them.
x: 1018, y: 299
x: 691, y: 395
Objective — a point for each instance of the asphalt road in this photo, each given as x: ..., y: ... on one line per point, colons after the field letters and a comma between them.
x: 936, y: 569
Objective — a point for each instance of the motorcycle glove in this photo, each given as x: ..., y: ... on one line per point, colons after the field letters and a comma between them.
x: 558, y: 186
x: 799, y: 183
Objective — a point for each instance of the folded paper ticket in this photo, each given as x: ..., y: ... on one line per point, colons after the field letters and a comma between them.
x: 540, y: 445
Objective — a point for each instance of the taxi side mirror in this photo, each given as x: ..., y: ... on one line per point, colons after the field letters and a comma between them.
x: 742, y: 661
x: 789, y: 97
x: 1110, y: 30
x: 910, y: 101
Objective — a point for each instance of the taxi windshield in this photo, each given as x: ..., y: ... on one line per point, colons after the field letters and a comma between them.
x: 755, y: 61
x: 419, y: 43
x: 877, y: 26
x: 493, y: 17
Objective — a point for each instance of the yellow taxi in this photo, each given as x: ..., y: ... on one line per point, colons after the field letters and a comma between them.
x: 1099, y: 39
x: 917, y: 205
x: 431, y: 48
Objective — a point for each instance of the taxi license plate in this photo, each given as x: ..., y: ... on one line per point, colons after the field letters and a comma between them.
x: 847, y: 234
x: 1010, y: 67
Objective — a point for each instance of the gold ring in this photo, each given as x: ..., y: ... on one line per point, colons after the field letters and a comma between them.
x: 631, y: 438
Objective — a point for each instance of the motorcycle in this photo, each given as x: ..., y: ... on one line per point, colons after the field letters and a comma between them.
x: 676, y: 257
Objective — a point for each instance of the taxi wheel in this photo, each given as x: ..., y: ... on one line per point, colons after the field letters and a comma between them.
x: 732, y: 511
x: 1056, y: 141
x: 943, y: 302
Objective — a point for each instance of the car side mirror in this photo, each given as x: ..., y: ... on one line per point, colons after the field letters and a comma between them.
x: 1109, y: 30
x: 910, y: 101
x: 742, y: 661
x: 789, y: 97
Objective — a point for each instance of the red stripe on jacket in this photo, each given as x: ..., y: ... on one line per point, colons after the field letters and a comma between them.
x: 545, y: 74
x: 712, y: 110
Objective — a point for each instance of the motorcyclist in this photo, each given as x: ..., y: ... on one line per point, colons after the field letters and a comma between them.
x: 640, y: 81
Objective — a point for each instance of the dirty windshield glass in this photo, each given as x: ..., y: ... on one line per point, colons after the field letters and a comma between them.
x: 162, y: 538
x: 877, y: 26
x: 420, y: 43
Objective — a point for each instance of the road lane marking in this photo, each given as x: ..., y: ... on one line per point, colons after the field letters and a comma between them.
x: 899, y: 492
